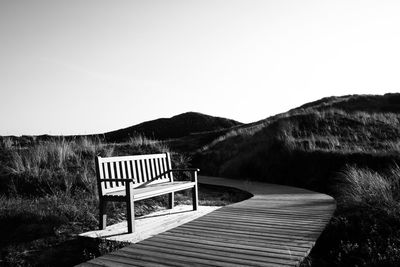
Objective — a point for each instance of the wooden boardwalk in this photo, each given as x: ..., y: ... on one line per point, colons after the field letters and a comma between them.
x: 278, y: 226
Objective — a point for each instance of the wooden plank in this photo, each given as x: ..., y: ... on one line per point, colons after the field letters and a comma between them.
x: 125, y: 172
x: 171, y: 257
x: 249, y: 234
x: 260, y: 231
x: 236, y: 252
x: 106, y: 176
x: 305, y: 220
x: 130, y: 208
x: 169, y: 167
x: 151, y: 170
x: 262, y: 219
x: 118, y: 173
x: 133, y: 171
x: 242, y: 227
x: 265, y: 243
x: 148, y: 170
x: 249, y: 239
x: 262, y: 212
x: 164, y: 168
x: 159, y: 163
x: 90, y: 264
x: 111, y: 170
x: 135, y: 157
x: 219, y: 254
x: 220, y: 243
x: 195, y: 255
x: 129, y: 173
x: 99, y: 175
x: 161, y: 167
x: 109, y: 260
x: 156, y: 168
x: 257, y: 226
x: 138, y: 259
x: 139, y: 169
x: 271, y: 221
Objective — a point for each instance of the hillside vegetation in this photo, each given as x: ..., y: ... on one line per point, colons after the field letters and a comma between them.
x: 203, y: 127
x: 388, y: 103
x: 175, y: 127
x: 308, y: 146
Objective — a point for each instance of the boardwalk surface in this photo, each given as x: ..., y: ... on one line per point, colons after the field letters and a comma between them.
x: 276, y: 227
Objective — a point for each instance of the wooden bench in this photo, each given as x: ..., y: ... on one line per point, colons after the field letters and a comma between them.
x: 132, y: 178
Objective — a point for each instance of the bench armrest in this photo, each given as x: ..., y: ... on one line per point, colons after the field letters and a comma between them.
x: 193, y: 170
x: 185, y: 170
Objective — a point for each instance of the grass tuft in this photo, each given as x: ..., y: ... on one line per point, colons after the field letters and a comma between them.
x: 364, y: 186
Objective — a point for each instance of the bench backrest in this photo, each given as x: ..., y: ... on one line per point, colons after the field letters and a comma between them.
x: 142, y: 169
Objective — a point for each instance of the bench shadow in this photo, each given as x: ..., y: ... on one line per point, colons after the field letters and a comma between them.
x: 159, y: 215
x: 76, y: 250
x: 146, y: 217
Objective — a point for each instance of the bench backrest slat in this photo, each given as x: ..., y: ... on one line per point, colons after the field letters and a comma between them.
x: 142, y: 169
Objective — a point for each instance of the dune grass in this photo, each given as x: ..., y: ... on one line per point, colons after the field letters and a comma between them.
x: 48, y: 195
x: 365, y: 230
x: 367, y: 187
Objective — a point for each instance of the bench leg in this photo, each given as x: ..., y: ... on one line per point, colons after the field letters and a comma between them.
x: 130, y: 214
x: 195, y: 197
x: 102, y: 215
x: 171, y: 200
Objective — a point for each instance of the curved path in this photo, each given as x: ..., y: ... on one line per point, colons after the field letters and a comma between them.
x: 278, y: 226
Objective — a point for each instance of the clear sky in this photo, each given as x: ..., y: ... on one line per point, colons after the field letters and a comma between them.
x: 80, y: 67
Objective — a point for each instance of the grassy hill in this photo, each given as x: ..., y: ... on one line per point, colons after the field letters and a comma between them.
x: 175, y: 127
x: 309, y: 145
x: 198, y: 129
x: 356, y: 103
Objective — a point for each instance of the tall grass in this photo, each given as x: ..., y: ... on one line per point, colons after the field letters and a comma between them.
x: 47, y: 167
x: 48, y: 195
x: 142, y: 141
x: 367, y: 187
x: 50, y: 166
x: 6, y: 143
x: 365, y: 230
